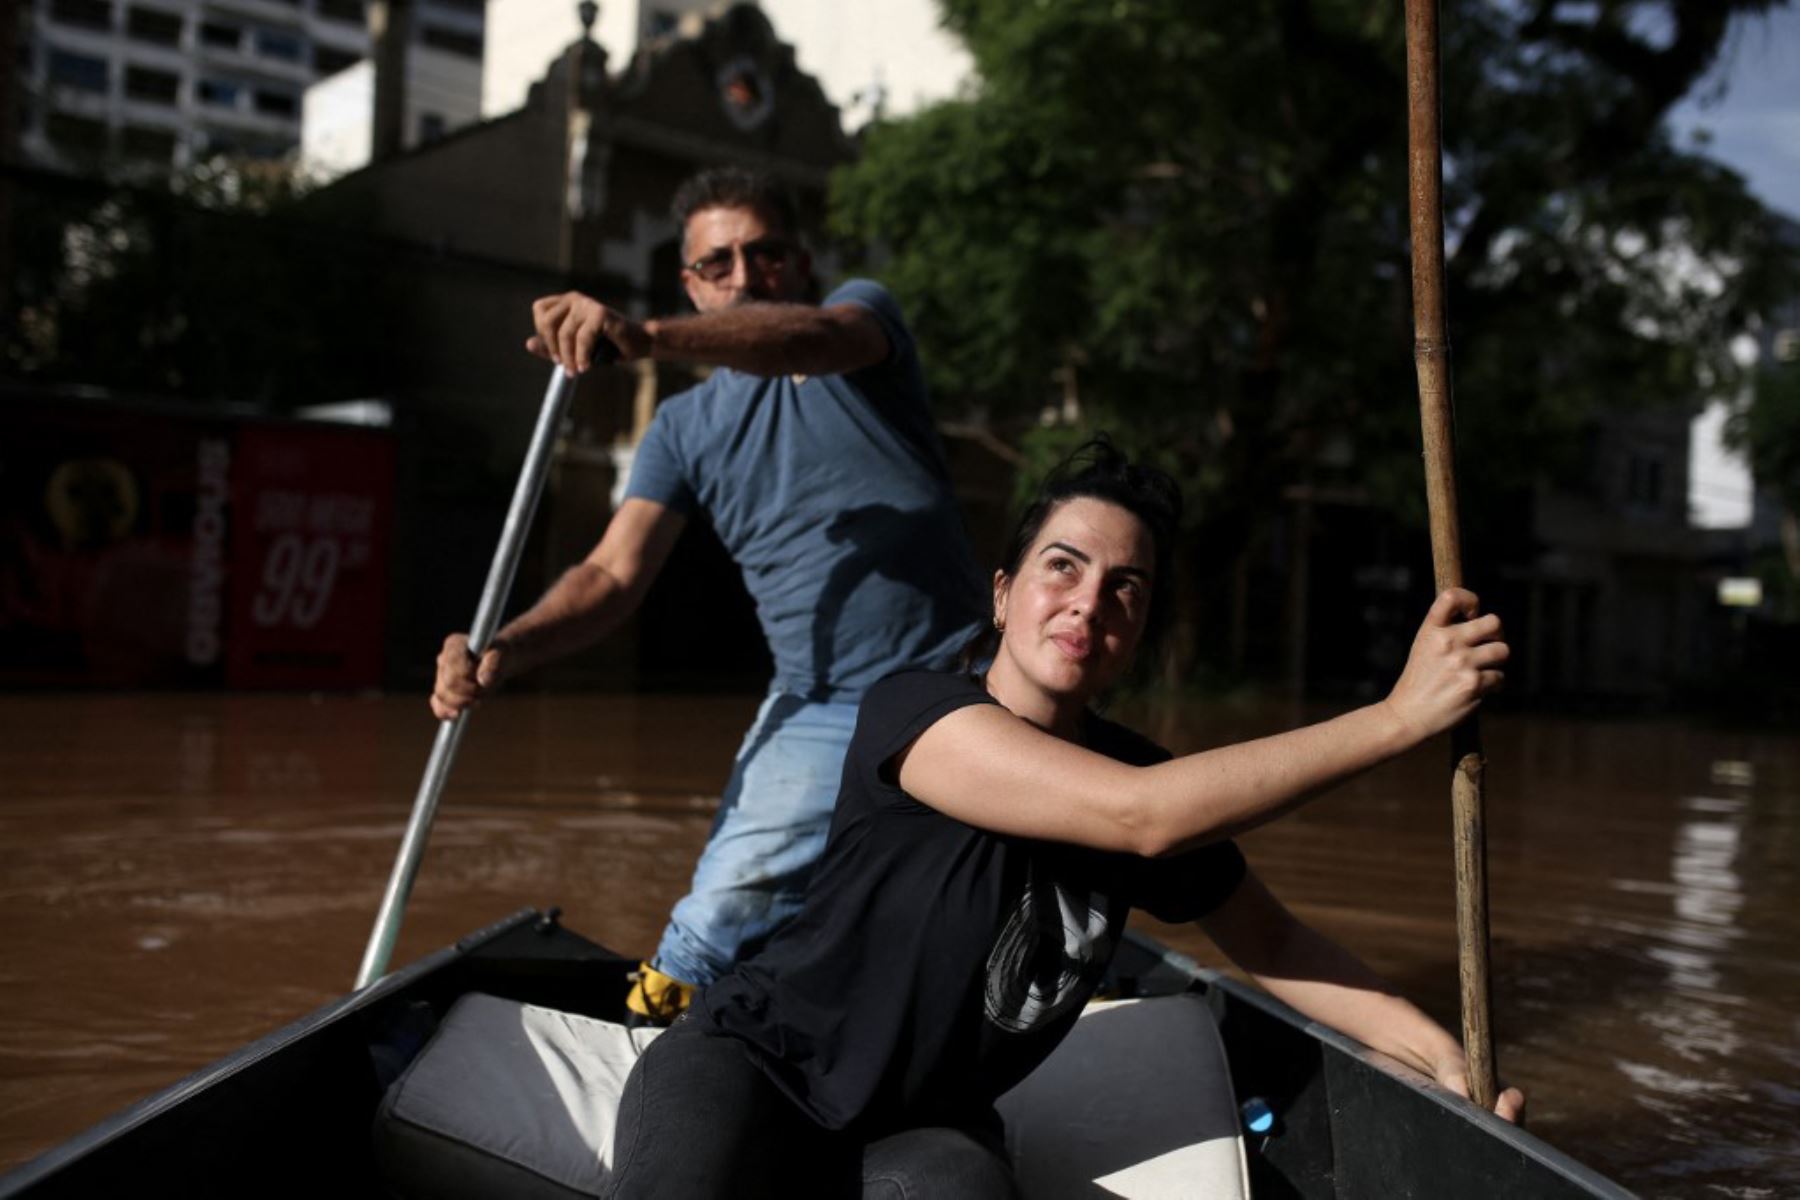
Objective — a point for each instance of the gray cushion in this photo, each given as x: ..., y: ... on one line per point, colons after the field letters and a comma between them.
x: 515, y: 1100
x: 1136, y: 1102
x: 507, y: 1099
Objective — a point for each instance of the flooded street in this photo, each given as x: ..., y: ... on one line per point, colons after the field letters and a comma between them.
x: 184, y: 873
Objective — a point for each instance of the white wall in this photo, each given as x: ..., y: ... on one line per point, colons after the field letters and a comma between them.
x: 1721, y: 493
x: 857, y: 48
x: 336, y: 115
x: 439, y: 82
x: 338, y: 112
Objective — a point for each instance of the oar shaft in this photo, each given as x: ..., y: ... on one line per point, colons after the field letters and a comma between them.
x: 1431, y: 356
x: 487, y: 620
x: 412, y: 849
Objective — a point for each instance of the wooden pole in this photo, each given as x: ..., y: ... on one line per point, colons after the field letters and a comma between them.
x: 1431, y: 356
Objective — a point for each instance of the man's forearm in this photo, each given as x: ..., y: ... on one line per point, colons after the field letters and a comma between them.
x: 580, y: 608
x: 769, y: 339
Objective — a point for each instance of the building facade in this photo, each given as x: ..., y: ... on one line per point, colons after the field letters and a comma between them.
x: 873, y: 57
x: 442, y: 94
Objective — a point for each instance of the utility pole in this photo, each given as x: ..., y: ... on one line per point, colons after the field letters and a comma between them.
x: 390, y: 33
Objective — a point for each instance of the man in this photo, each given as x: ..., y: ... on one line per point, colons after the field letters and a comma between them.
x: 812, y: 453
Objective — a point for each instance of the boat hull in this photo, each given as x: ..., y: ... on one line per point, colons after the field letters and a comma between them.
x: 291, y: 1114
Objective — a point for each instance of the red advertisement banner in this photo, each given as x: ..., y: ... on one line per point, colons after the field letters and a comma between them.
x: 307, y: 595
x: 153, y: 547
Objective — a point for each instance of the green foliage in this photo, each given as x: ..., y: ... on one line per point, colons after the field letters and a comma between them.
x: 207, y: 287
x: 1768, y: 431
x: 1199, y: 209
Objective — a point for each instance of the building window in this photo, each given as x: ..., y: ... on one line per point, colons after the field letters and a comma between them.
x: 466, y: 44
x: 219, y: 93
x: 221, y: 36
x: 327, y: 61
x: 150, y: 25
x: 240, y: 145
x: 285, y: 46
x: 431, y: 127
x: 89, y: 14
x: 78, y: 71
x: 342, y: 10
x: 276, y: 104
x: 76, y: 135
x: 263, y: 149
x: 152, y: 86
x: 663, y: 23
x: 147, y: 145
x: 1644, y: 481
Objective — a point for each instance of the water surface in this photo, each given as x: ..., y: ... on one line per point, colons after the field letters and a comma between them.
x: 184, y: 873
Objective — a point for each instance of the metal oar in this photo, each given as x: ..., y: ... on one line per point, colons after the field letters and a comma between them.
x: 1431, y: 356
x: 487, y: 620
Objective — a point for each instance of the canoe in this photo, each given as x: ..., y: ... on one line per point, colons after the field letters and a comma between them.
x: 291, y: 1114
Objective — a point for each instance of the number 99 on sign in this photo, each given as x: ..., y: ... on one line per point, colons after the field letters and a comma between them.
x: 297, y: 577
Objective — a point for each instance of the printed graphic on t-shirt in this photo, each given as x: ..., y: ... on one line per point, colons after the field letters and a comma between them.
x: 1048, y: 957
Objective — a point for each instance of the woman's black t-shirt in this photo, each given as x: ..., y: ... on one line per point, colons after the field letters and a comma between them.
x: 935, y: 964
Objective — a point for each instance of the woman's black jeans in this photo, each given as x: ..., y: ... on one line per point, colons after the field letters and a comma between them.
x: 698, y: 1119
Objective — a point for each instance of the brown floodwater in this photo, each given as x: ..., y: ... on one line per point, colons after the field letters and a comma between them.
x: 184, y: 873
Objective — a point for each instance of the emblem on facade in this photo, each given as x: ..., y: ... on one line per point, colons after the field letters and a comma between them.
x: 745, y: 92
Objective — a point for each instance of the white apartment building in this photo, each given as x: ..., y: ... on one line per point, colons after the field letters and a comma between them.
x: 163, y: 82
x: 443, y: 92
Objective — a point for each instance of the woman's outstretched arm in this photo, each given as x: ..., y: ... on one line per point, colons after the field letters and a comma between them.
x: 1303, y: 968
x: 985, y: 766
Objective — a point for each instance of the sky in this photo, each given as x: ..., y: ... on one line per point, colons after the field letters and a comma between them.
x: 1751, y: 104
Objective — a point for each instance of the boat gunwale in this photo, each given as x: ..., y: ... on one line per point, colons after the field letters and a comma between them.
x: 1513, y: 1136
x: 1204, y: 982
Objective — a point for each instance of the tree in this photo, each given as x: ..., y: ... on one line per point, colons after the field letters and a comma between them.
x: 1190, y: 219
x: 1768, y: 431
x: 206, y: 287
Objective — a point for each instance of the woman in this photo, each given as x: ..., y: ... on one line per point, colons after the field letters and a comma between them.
x: 991, y: 834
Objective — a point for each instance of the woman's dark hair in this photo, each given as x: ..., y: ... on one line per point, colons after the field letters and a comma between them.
x: 1099, y: 470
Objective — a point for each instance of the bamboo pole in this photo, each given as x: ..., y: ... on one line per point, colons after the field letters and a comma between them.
x: 1431, y: 357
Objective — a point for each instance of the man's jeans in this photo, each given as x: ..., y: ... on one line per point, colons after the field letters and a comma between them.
x: 770, y: 830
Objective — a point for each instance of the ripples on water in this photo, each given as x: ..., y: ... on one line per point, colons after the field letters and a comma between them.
x: 186, y: 873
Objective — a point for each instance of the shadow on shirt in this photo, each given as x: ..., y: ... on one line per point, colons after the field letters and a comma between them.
x: 904, y: 546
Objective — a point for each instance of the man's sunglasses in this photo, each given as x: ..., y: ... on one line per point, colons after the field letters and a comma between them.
x: 764, y: 254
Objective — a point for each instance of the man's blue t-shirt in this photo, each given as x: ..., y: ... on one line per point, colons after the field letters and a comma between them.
x: 831, y: 494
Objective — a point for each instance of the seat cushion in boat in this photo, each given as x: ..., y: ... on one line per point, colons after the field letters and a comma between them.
x: 1136, y: 1102
x: 516, y: 1100
x: 507, y: 1099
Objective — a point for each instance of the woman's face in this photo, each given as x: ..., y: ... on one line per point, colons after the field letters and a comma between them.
x: 1074, y: 612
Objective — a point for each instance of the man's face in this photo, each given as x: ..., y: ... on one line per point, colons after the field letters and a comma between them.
x: 734, y: 256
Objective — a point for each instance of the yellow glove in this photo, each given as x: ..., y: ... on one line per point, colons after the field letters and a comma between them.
x: 658, y: 998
